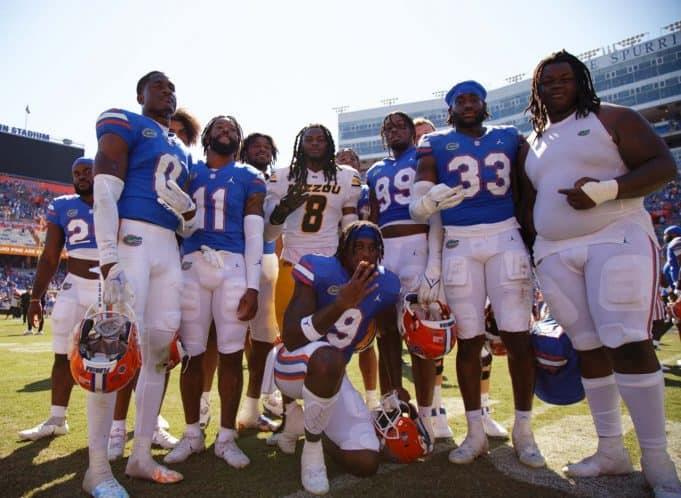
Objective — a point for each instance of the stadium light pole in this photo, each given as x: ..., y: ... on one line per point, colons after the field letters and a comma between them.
x: 389, y: 101
x: 340, y: 109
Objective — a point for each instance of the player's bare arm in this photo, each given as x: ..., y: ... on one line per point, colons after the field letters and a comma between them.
x: 303, y: 306
x: 390, y: 349
x: 248, y: 304
x: 645, y: 154
x: 526, y: 196
x: 47, y: 267
x: 373, y: 207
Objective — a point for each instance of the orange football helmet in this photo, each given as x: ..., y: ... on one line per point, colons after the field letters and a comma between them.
x: 428, y: 329
x: 106, y: 352
x: 675, y: 310
x: 176, y: 353
x: 403, y: 436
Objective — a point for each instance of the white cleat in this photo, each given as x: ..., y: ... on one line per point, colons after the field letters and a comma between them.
x: 48, y: 428
x: 273, y: 404
x: 164, y: 439
x: 107, y: 488
x: 441, y: 428
x: 116, y: 446
x: 660, y: 474
x: 313, y: 469
x: 162, y: 422
x: 600, y: 464
x: 28, y: 332
x: 294, y: 427
x: 247, y: 420
x: 204, y: 413
x: 528, y: 451
x: 470, y: 449
x: 493, y: 428
x: 231, y: 453
x: 187, y: 446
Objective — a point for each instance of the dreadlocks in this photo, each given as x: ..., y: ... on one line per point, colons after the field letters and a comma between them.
x: 350, y: 234
x: 389, y: 119
x: 587, y: 100
x: 298, y: 171
x: 205, y: 135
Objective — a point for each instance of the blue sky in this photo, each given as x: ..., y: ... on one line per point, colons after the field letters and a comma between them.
x: 277, y: 65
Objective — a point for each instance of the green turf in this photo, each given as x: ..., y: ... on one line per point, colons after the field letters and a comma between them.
x: 55, y: 467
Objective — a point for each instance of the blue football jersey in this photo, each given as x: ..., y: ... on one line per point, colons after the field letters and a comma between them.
x: 154, y: 157
x: 220, y: 196
x: 673, y: 253
x: 363, y: 207
x: 325, y: 274
x: 74, y: 217
x: 391, y: 181
x: 558, y: 380
x: 481, y: 165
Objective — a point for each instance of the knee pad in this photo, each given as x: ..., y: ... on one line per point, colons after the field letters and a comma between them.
x: 318, y: 410
x: 455, y: 274
x: 623, y: 282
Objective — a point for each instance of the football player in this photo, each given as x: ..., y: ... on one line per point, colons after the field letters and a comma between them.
x: 422, y: 126
x: 69, y: 223
x: 465, y: 173
x: 221, y: 278
x: 335, y: 299
x: 138, y: 205
x: 260, y: 151
x: 390, y: 184
x: 588, y: 167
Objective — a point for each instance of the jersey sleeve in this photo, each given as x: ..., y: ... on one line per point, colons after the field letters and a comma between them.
x: 355, y: 189
x: 256, y: 184
x: 304, y: 271
x: 51, y: 213
x: 277, y: 186
x: 424, y: 147
x: 118, y: 122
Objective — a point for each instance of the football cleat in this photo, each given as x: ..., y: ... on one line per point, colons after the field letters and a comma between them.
x: 48, y: 428
x: 204, y: 413
x: 107, y: 488
x: 600, y: 464
x: 492, y: 427
x: 273, y: 405
x: 441, y: 424
x: 228, y: 450
x: 313, y: 469
x: 116, y: 446
x: 152, y: 472
x: 186, y: 447
x: 400, y: 430
x: 528, y: 451
x: 164, y: 439
x: 661, y: 475
x: 429, y: 330
x: 470, y: 449
x: 162, y: 422
x: 106, y: 352
x: 292, y: 427
x: 27, y: 332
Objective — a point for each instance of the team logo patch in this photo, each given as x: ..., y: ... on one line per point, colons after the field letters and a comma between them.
x: 451, y: 244
x: 149, y: 133
x: 186, y: 265
x: 333, y: 290
x: 67, y: 286
x: 452, y: 146
x: 132, y: 240
x: 584, y: 133
x: 71, y: 213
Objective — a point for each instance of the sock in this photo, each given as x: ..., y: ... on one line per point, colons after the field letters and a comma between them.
x: 225, y: 434
x: 484, y: 403
x: 521, y: 426
x: 644, y: 396
x: 474, y: 422
x: 193, y: 430
x: 118, y: 425
x: 100, y: 414
x: 437, y: 396
x: 205, y: 396
x: 250, y: 407
x: 371, y: 396
x: 604, y: 402
x: 57, y: 411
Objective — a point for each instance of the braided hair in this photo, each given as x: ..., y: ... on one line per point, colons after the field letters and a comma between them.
x: 349, y: 235
x: 205, y: 134
x: 587, y: 100
x: 298, y: 171
x: 389, y: 118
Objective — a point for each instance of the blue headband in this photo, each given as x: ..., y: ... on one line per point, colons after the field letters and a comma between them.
x: 463, y: 88
x: 366, y: 232
x: 674, y: 230
x: 83, y: 160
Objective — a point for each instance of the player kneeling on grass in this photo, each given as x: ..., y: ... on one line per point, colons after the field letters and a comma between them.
x: 334, y: 300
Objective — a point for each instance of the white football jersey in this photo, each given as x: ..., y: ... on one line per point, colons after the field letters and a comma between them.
x: 313, y: 227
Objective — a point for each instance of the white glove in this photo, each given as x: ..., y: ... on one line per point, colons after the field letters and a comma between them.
x: 439, y: 197
x: 212, y: 257
x: 429, y: 290
x: 117, y: 289
x: 175, y: 200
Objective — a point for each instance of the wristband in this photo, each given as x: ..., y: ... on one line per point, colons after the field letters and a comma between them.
x: 308, y: 329
x: 600, y: 192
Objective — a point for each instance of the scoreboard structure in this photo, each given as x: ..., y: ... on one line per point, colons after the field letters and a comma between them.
x: 36, y: 155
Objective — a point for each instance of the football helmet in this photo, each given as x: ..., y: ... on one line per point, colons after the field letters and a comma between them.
x: 106, y: 352
x: 675, y: 310
x: 176, y: 353
x: 493, y: 340
x: 403, y: 436
x: 428, y: 329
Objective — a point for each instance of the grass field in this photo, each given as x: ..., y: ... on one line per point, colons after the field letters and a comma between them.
x: 55, y: 467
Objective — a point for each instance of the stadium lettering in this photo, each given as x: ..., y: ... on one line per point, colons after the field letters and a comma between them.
x: 643, y: 49
x: 24, y: 133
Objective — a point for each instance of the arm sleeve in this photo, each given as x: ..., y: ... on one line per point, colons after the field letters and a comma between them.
x: 253, y: 235
x: 107, y: 191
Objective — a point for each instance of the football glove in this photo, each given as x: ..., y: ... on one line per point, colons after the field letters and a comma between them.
x: 175, y: 200
x: 212, y: 257
x: 439, y: 197
x: 116, y: 287
x: 429, y: 290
